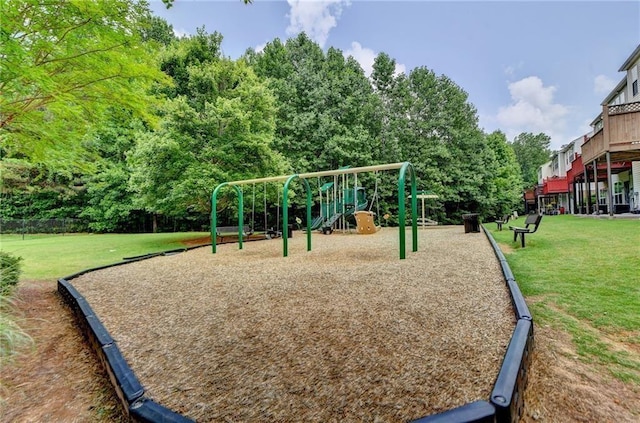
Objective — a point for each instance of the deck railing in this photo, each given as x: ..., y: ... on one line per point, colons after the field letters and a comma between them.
x: 620, y: 133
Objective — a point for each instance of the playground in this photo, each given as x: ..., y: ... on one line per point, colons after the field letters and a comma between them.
x: 345, y: 332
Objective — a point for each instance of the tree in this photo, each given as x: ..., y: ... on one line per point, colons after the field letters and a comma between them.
x: 437, y: 130
x: 531, y: 151
x: 169, y: 3
x: 506, y: 175
x: 217, y: 126
x: 35, y: 191
x: 109, y: 202
x: 384, y: 83
x: 156, y: 29
x: 326, y: 104
x: 64, y: 64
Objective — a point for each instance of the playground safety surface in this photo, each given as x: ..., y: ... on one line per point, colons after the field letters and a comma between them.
x: 346, y: 332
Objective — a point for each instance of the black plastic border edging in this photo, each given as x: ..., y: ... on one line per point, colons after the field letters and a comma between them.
x: 508, y: 392
x: 474, y: 412
x: 506, y: 402
x: 149, y: 411
x: 128, y: 388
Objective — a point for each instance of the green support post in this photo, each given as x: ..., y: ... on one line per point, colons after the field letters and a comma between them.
x: 214, y: 214
x: 285, y: 214
x: 401, y: 209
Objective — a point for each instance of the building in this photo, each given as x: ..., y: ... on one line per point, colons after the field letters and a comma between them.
x: 560, y: 185
x: 611, y: 155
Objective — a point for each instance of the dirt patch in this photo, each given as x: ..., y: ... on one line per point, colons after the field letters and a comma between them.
x: 506, y: 248
x: 562, y: 388
x: 197, y: 241
x: 59, y: 379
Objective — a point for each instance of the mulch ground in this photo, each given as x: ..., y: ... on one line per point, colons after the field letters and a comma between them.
x: 346, y: 332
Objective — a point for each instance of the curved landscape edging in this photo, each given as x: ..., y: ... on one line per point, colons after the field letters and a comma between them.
x: 505, y: 404
x: 508, y: 391
x: 127, y: 386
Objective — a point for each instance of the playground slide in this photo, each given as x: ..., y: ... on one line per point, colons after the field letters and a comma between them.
x: 317, y: 222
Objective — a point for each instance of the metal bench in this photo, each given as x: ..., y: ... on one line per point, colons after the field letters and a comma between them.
x: 502, y: 221
x: 532, y: 219
x: 225, y: 231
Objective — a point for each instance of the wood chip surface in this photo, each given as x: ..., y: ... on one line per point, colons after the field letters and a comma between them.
x: 344, y: 333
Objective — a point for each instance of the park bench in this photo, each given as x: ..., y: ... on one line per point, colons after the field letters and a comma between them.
x: 225, y: 231
x: 502, y: 221
x: 532, y: 220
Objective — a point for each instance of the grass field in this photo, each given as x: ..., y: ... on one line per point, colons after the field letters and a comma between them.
x: 582, y: 276
x: 56, y: 256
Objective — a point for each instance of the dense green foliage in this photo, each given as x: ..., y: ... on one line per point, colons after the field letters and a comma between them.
x: 531, y: 151
x: 9, y: 272
x: 64, y: 64
x: 217, y: 125
x: 159, y: 121
x: 583, y: 274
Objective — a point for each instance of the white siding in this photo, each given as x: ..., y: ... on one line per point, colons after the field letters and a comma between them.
x: 632, y: 76
x: 635, y: 180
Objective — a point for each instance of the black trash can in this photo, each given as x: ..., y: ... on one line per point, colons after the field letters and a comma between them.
x: 471, y: 222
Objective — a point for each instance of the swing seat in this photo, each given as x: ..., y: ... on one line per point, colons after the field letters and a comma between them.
x: 364, y: 219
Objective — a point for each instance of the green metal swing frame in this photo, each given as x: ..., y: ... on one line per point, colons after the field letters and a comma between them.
x: 403, y: 166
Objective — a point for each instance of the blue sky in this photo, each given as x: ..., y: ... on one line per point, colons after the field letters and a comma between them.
x: 536, y: 66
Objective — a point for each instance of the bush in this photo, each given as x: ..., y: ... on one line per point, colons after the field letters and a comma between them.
x: 9, y: 272
x: 12, y: 337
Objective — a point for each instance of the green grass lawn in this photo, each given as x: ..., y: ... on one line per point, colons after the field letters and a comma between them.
x: 582, y: 275
x: 55, y: 256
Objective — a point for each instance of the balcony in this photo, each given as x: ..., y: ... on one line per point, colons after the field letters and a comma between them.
x: 555, y: 185
x: 619, y: 136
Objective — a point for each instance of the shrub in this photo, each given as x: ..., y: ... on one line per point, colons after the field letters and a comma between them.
x: 12, y: 337
x: 9, y: 272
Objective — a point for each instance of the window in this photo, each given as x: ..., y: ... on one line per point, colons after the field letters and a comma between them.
x: 603, y: 196
x: 634, y: 88
x: 618, y: 193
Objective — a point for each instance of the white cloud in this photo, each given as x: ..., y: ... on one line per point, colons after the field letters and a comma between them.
x: 603, y: 85
x: 315, y: 17
x: 180, y: 33
x: 260, y: 47
x: 400, y: 68
x: 365, y: 56
x: 533, y: 109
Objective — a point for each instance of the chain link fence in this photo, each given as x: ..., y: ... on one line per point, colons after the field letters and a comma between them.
x: 41, y: 226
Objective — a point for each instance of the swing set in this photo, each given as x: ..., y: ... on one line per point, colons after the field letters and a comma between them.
x: 402, y: 166
x: 250, y: 230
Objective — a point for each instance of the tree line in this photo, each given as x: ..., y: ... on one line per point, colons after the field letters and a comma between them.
x: 108, y: 117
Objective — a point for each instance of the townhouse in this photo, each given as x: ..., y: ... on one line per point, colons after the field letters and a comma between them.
x: 600, y: 172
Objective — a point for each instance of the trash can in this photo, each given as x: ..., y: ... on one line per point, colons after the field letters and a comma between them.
x: 471, y: 222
